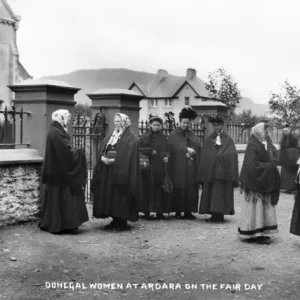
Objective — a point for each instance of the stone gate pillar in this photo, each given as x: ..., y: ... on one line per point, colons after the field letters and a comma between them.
x: 41, y: 98
x: 210, y: 108
x: 114, y: 101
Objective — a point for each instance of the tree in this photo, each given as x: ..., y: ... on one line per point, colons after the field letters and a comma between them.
x: 247, y: 117
x: 221, y: 85
x: 285, y: 105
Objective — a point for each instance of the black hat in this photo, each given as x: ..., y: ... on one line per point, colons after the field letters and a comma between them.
x: 154, y: 117
x: 216, y: 119
x: 187, y: 113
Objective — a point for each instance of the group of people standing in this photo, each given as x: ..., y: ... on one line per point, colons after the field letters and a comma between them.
x: 160, y: 174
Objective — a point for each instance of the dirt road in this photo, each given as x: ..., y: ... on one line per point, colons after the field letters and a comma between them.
x: 161, y: 253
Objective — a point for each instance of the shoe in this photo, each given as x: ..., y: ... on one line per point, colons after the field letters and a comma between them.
x: 160, y: 216
x: 111, y: 225
x: 189, y: 216
x: 178, y: 215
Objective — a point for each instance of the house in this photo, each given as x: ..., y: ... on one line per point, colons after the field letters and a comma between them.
x: 11, y: 70
x: 170, y: 93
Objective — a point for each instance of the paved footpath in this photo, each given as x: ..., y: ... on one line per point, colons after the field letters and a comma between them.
x: 170, y: 259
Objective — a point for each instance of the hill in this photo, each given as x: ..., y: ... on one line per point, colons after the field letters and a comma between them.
x: 257, y: 108
x: 91, y: 80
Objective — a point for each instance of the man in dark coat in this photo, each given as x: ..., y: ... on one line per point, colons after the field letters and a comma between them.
x: 218, y: 173
x: 64, y: 175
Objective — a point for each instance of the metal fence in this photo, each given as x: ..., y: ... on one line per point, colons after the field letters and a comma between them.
x: 240, y: 133
x: 87, y: 135
x: 10, y: 121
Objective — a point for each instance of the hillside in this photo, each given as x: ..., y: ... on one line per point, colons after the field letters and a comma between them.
x: 91, y: 80
x: 257, y: 109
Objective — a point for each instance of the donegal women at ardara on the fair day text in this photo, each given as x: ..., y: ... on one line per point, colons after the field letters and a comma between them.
x: 153, y: 286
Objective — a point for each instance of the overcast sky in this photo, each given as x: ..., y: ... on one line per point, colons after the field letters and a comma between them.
x: 257, y: 41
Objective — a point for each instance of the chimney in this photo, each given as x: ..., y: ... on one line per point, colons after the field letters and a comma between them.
x: 161, y: 74
x: 191, y: 74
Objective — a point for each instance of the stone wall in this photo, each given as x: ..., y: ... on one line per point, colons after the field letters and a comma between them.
x: 20, y: 173
x: 19, y: 194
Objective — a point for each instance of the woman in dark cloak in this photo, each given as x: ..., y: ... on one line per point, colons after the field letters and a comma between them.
x: 116, y: 183
x: 260, y: 181
x: 64, y: 175
x: 295, y: 221
x: 153, y: 143
x: 288, y: 146
x: 218, y: 173
x: 184, y: 152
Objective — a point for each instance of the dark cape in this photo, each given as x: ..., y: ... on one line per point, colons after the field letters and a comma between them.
x: 288, y: 156
x: 64, y: 174
x: 258, y: 172
x: 218, y: 174
x: 218, y: 165
x: 295, y: 221
x: 155, y: 199
x: 117, y: 188
x: 182, y: 170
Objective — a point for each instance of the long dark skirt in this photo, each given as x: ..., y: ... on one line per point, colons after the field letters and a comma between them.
x: 63, y: 208
x: 295, y: 222
x: 287, y: 179
x: 217, y: 198
x: 111, y: 200
x: 186, y: 200
x: 155, y: 198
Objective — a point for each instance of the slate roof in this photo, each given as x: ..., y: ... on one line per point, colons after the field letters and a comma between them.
x: 171, y: 85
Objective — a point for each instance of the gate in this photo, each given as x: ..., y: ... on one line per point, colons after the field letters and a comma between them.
x: 88, y: 134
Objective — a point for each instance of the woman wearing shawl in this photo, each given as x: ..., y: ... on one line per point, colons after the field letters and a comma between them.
x: 289, y: 148
x: 295, y: 221
x: 64, y: 175
x: 260, y: 181
x: 116, y: 183
x: 153, y: 143
x: 218, y: 173
x: 184, y: 151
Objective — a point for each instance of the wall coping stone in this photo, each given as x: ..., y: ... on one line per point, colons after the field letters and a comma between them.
x: 19, y: 156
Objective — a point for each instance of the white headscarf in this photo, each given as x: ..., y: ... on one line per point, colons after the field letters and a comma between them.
x: 259, y: 131
x: 62, y: 117
x: 125, y: 122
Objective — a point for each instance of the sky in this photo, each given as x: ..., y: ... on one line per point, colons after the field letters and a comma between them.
x: 257, y: 41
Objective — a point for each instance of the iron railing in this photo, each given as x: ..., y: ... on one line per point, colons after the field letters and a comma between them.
x: 10, y: 120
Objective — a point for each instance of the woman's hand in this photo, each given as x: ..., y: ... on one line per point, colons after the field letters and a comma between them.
x: 165, y: 160
x: 105, y: 160
x: 191, y: 151
x: 154, y: 152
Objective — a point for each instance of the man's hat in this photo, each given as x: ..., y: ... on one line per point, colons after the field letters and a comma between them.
x: 216, y: 120
x: 154, y: 117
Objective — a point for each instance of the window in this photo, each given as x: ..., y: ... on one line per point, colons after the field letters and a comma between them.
x: 168, y: 103
x: 153, y: 103
x: 186, y: 100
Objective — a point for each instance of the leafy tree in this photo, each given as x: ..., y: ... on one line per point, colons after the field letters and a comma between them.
x: 285, y: 105
x: 247, y: 117
x: 83, y: 109
x: 221, y: 85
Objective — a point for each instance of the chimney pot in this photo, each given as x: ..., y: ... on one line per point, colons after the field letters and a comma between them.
x: 191, y: 73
